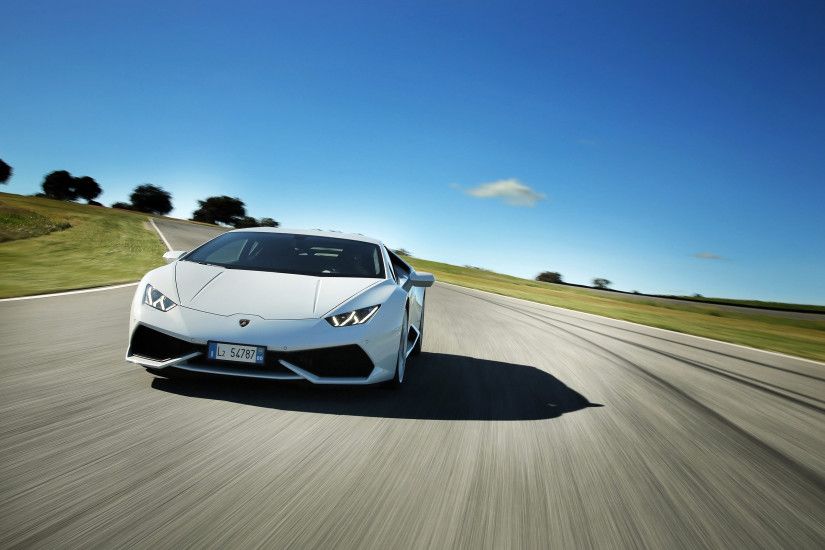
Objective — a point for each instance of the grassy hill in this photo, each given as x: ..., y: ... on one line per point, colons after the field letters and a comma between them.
x: 71, y: 246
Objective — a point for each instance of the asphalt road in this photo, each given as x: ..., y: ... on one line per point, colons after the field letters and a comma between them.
x: 522, y: 426
x: 186, y: 236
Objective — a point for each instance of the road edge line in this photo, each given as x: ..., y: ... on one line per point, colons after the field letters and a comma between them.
x: 68, y: 292
x: 161, y: 235
x: 777, y: 353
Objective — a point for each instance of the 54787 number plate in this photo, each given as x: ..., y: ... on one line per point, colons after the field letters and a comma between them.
x: 238, y: 353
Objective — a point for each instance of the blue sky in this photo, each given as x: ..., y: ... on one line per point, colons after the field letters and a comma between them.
x: 645, y: 133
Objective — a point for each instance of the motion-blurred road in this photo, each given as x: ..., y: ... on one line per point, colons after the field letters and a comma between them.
x: 522, y: 426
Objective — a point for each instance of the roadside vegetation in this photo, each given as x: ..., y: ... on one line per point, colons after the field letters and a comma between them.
x: 102, y: 246
x: 228, y: 211
x: 147, y: 198
x: 603, y: 284
x: 804, y: 338
x: 5, y: 172
x: 755, y: 303
x: 19, y: 223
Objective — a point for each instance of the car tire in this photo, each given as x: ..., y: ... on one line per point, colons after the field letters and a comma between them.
x: 400, y: 373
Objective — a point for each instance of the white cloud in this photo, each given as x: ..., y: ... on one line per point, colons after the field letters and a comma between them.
x: 511, y: 191
x: 707, y: 256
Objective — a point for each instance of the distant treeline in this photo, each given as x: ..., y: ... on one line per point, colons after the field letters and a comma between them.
x: 147, y: 198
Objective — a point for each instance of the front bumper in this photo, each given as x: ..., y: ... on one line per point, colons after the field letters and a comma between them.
x: 307, y: 349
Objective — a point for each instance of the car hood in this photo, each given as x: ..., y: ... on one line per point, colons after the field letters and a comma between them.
x: 262, y: 293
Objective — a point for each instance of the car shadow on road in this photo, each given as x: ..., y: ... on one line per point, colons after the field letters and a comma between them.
x: 438, y: 386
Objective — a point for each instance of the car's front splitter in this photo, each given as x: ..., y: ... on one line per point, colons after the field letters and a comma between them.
x: 377, y: 340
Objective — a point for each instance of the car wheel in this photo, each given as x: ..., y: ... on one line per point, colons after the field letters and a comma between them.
x: 401, y: 360
x: 417, y: 349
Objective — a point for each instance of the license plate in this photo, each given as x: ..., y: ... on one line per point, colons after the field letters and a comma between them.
x: 238, y: 353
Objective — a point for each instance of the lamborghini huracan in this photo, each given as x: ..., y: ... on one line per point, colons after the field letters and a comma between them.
x: 321, y: 306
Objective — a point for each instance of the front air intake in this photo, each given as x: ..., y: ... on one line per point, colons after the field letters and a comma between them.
x: 338, y: 362
x: 150, y: 343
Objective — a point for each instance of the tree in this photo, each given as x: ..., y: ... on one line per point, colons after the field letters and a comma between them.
x: 60, y: 185
x: 5, y: 172
x: 248, y: 221
x: 122, y: 206
x: 151, y: 199
x: 221, y: 209
x: 87, y: 188
x: 402, y: 252
x: 549, y: 277
x: 602, y: 283
x: 245, y: 221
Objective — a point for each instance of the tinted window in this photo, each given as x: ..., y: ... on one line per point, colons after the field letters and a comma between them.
x: 287, y: 253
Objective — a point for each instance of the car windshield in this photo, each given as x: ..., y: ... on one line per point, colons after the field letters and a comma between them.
x: 288, y: 253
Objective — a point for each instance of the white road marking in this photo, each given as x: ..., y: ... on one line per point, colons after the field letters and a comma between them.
x: 68, y: 293
x: 162, y: 237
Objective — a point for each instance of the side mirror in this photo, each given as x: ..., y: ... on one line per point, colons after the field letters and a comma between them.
x: 421, y: 279
x: 173, y: 255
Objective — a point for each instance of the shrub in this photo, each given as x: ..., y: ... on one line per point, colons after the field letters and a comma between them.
x: 549, y: 277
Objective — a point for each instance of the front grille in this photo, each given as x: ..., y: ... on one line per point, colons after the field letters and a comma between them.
x: 152, y: 344
x: 339, y: 362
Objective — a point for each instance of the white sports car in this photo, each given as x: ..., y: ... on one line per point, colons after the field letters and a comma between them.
x: 321, y: 306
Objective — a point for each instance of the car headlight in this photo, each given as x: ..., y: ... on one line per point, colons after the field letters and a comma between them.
x: 357, y: 317
x: 155, y: 298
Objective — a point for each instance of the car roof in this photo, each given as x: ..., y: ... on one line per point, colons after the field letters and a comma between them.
x: 314, y: 232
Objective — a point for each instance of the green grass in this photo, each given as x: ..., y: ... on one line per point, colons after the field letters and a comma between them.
x: 102, y: 246
x: 803, y: 338
x: 758, y: 303
x: 19, y: 223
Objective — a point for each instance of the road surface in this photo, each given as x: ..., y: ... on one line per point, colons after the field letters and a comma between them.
x: 521, y: 426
